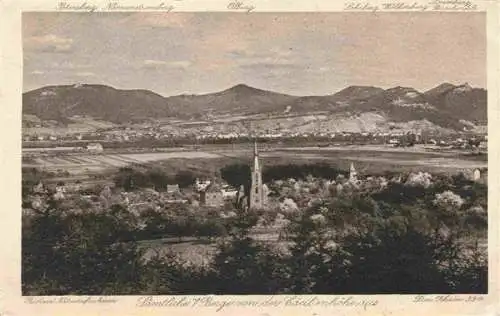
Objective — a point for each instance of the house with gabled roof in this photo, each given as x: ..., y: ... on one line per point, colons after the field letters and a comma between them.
x: 212, y: 196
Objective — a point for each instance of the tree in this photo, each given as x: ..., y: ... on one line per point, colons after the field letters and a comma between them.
x: 310, y: 237
x: 386, y: 261
x: 185, y: 179
x: 211, y: 228
x: 474, y: 142
x: 130, y: 179
x: 31, y: 177
x: 244, y: 267
x: 168, y: 274
x: 302, y: 171
x: 240, y: 225
x: 79, y: 253
x: 157, y: 178
x: 237, y: 175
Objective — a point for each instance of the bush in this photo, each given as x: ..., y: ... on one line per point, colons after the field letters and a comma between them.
x: 86, y: 253
x: 211, y: 228
x: 386, y: 262
x: 283, y: 172
x: 184, y: 179
x: 237, y: 175
x: 244, y: 267
x: 133, y: 178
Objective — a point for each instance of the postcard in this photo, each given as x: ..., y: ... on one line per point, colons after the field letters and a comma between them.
x: 249, y: 157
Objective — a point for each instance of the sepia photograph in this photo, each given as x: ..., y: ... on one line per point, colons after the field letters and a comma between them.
x: 223, y: 153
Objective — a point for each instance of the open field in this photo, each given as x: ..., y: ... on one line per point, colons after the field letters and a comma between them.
x: 390, y: 158
x: 367, y: 158
x: 83, y: 163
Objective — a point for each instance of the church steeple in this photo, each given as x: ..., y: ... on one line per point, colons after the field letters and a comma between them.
x: 256, y: 190
x: 255, y: 157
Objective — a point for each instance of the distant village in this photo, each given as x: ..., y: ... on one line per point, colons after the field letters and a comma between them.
x: 38, y: 133
x: 97, y: 141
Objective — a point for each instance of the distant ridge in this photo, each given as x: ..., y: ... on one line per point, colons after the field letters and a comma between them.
x: 446, y: 105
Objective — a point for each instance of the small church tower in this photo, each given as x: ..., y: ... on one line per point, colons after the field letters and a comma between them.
x: 353, y: 174
x: 257, y: 194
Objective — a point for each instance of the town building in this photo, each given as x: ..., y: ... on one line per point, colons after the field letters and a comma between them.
x: 229, y: 193
x: 241, y: 199
x: 39, y: 188
x: 476, y: 175
x: 173, y: 188
x: 95, y: 147
x: 59, y: 194
x: 36, y: 202
x: 212, y: 196
x: 480, y: 175
x: 201, y: 185
x: 483, y: 145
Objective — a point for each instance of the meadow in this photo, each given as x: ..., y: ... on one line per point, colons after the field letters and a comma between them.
x: 368, y: 157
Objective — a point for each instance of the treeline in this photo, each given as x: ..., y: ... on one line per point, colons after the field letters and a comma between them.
x: 300, y: 171
x: 240, y: 174
x: 130, y: 178
x: 94, y: 254
x: 402, y: 194
x: 237, y: 174
x: 180, y: 141
x: 184, y: 223
x: 234, y: 174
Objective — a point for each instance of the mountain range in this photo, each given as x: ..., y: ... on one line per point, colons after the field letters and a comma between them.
x: 447, y: 106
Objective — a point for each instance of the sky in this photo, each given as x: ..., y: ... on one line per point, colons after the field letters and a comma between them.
x: 293, y: 53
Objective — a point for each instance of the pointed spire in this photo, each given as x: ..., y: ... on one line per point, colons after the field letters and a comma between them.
x: 352, y: 169
x: 255, y: 157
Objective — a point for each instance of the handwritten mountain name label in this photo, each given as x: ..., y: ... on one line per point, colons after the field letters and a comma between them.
x: 241, y: 6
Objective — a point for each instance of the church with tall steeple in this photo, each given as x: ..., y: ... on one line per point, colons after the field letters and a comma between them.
x: 257, y: 194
